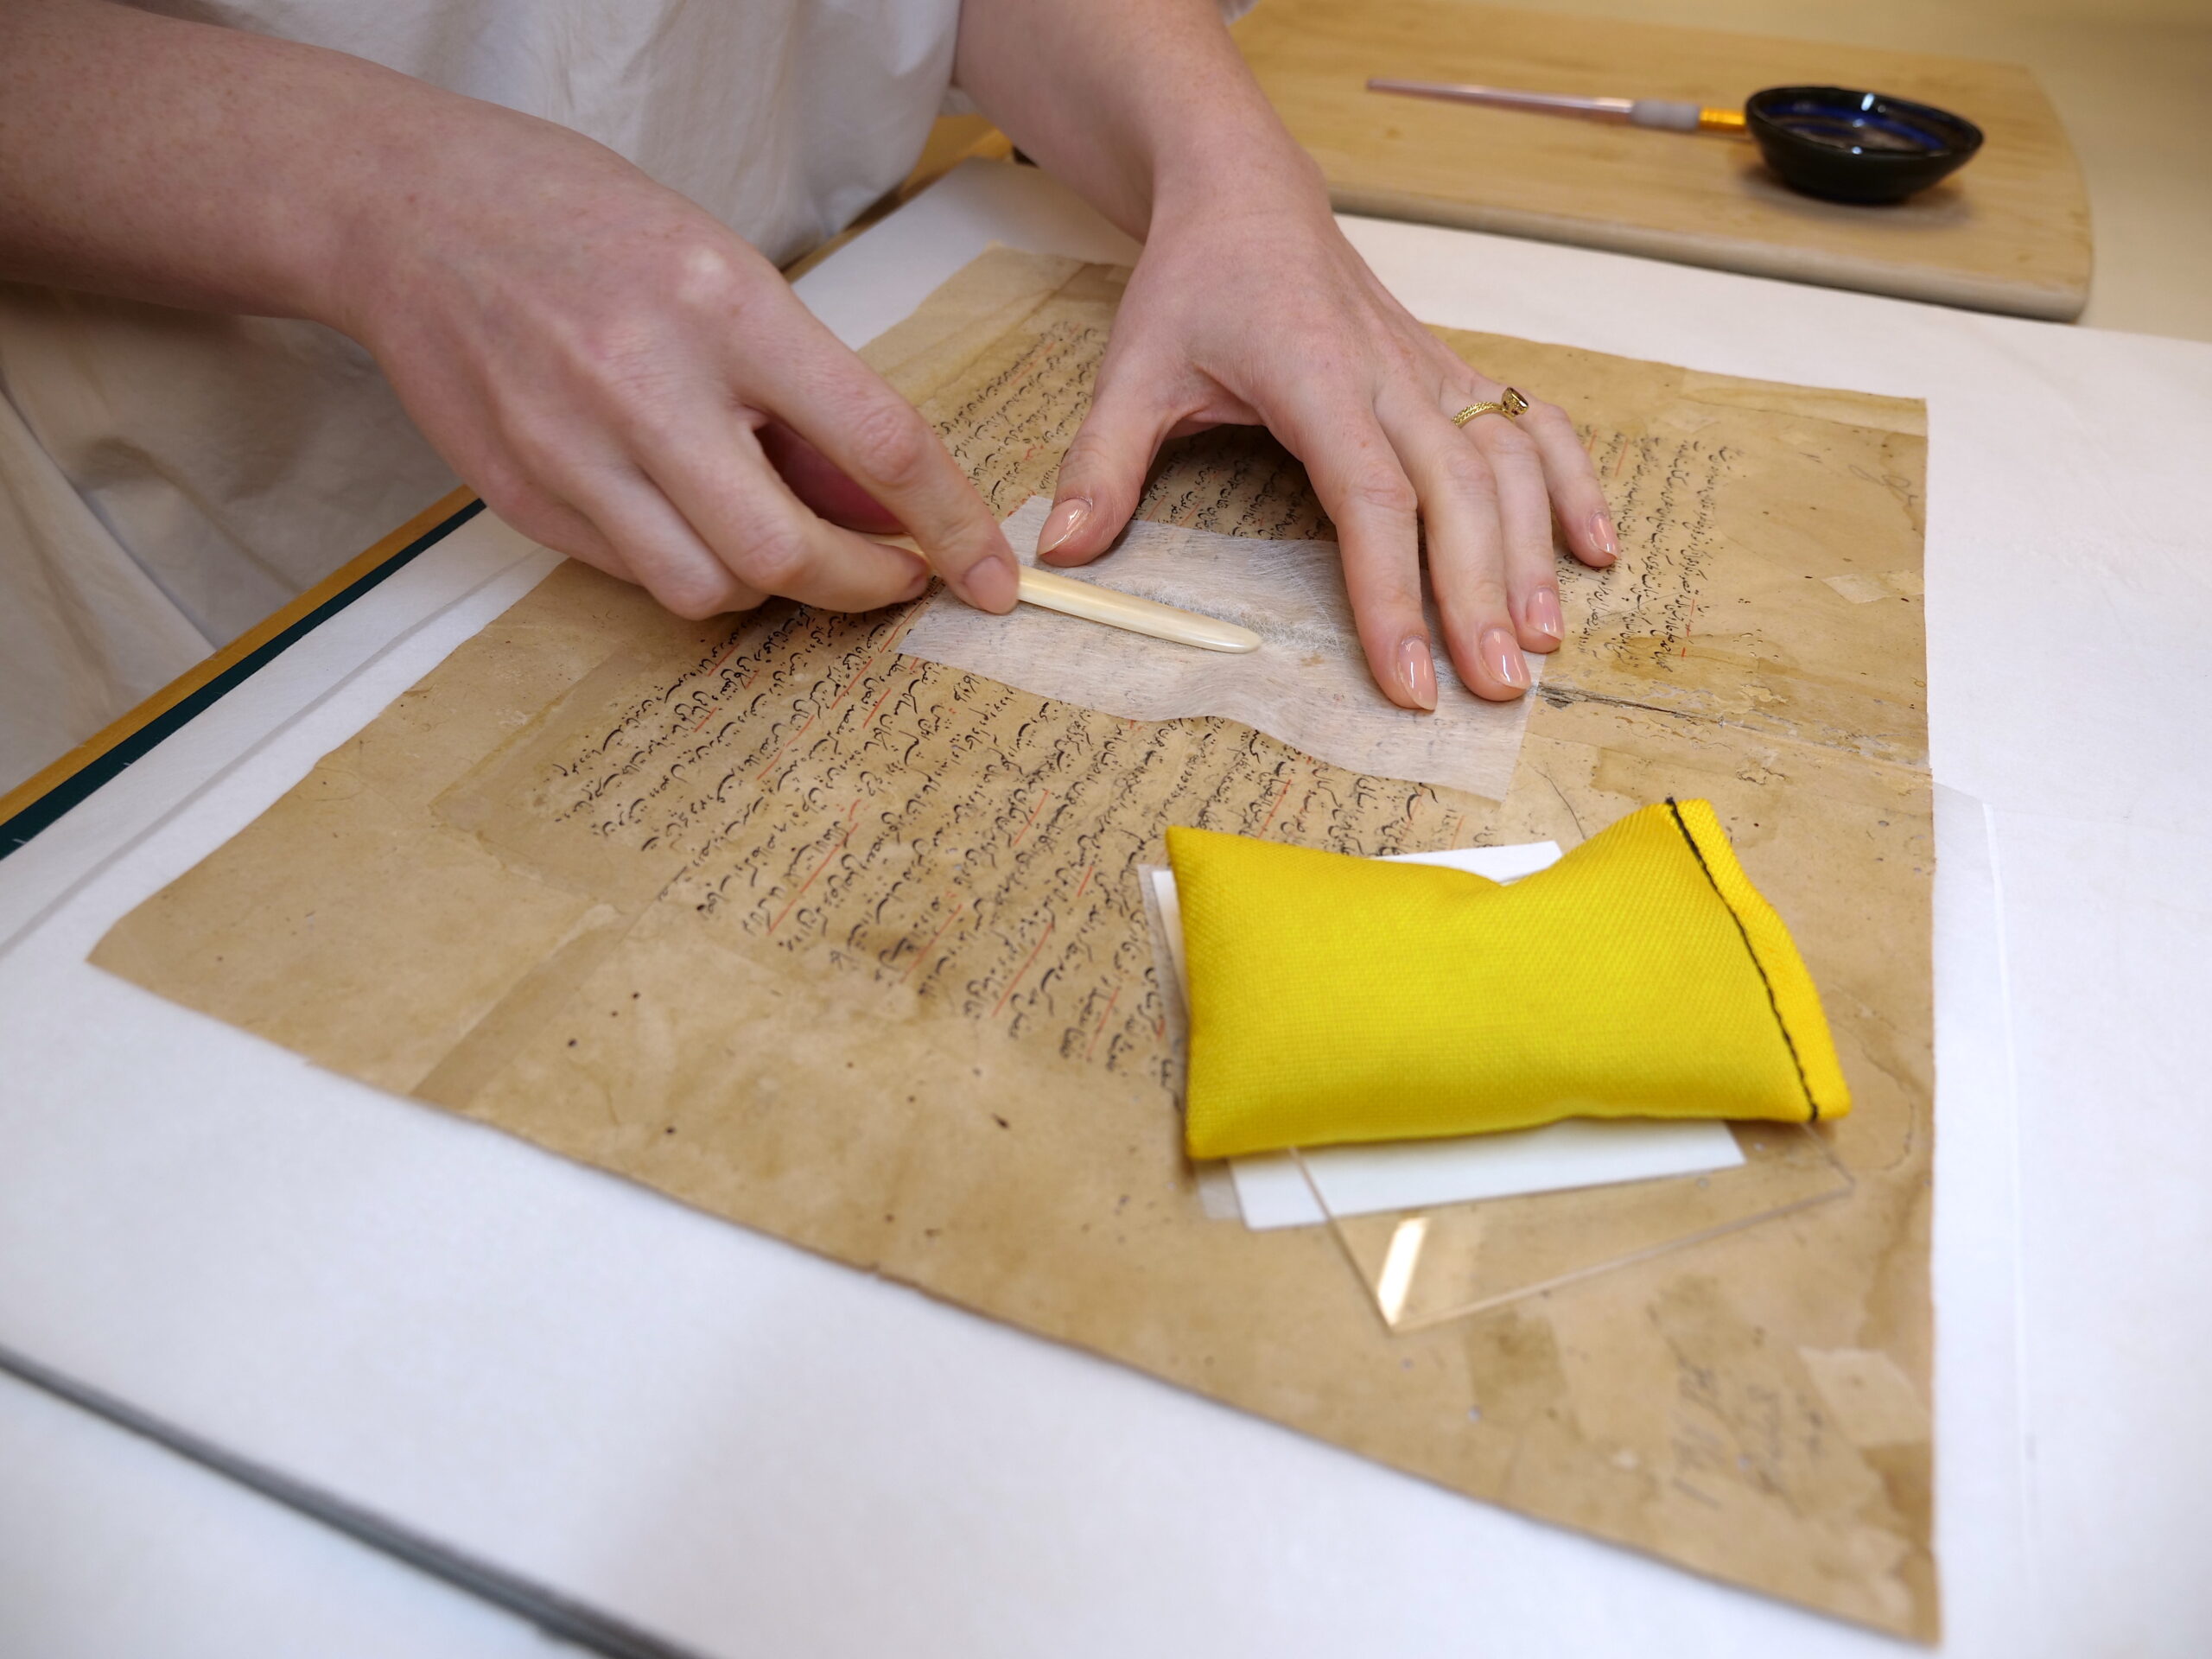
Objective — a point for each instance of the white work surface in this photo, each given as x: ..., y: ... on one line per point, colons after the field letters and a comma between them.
x: 741, y: 1449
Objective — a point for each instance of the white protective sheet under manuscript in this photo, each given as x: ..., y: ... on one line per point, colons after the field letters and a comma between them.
x: 1307, y: 684
x: 1283, y: 1189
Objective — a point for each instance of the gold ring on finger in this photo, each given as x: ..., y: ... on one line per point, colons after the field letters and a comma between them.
x: 1511, y: 403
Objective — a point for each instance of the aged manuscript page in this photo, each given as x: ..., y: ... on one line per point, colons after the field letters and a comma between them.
x: 850, y: 947
x: 1307, y: 684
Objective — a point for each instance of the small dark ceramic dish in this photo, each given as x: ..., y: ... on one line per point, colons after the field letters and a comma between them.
x: 1850, y: 146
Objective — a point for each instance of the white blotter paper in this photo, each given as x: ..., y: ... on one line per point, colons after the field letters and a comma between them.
x: 1271, y: 1192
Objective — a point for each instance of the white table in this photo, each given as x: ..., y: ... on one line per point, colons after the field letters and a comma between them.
x: 741, y: 1449
x: 112, y: 1546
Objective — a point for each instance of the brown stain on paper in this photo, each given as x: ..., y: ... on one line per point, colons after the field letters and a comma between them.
x: 850, y: 948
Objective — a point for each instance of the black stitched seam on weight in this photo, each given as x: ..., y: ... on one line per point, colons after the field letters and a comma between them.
x: 1782, y: 1025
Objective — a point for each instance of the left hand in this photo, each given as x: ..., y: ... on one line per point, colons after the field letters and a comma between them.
x: 1258, y: 311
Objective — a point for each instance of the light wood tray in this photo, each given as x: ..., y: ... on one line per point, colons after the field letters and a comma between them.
x: 2008, y: 232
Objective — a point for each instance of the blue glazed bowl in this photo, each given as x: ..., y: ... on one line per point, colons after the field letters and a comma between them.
x: 1850, y: 146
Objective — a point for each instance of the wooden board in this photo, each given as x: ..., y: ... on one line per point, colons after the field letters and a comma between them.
x: 2008, y: 232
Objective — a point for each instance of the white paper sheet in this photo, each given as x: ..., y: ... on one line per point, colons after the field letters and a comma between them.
x: 214, y: 1571
x: 1307, y: 684
x: 1411, y: 1174
x: 1271, y: 1192
x: 721, y: 1437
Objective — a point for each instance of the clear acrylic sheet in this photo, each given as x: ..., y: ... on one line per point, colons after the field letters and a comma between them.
x: 1423, y: 1267
x: 1426, y: 1265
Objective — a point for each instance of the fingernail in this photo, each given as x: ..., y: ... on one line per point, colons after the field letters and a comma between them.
x: 1417, y: 673
x: 1501, y: 654
x: 1543, y: 614
x: 1061, y: 524
x: 991, y: 584
x: 1601, y: 530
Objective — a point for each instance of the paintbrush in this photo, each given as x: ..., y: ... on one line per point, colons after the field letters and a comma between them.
x: 1672, y: 115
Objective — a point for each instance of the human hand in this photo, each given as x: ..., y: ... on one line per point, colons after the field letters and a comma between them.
x: 627, y: 382
x: 1257, y: 311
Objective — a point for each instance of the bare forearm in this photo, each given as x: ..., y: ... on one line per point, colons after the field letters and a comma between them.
x: 608, y: 364
x: 1142, y: 105
x: 205, y: 167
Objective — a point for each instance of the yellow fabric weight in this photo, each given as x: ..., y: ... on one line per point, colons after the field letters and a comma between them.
x: 1337, y: 999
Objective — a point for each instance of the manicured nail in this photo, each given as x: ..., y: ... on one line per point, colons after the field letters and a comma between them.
x: 1417, y: 673
x: 1501, y: 654
x: 1061, y: 524
x: 991, y: 584
x: 1543, y: 614
x: 1601, y: 532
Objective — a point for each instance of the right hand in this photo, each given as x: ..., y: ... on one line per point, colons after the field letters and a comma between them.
x: 626, y: 381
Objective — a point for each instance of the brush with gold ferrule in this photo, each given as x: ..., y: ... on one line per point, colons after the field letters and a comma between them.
x: 1671, y: 115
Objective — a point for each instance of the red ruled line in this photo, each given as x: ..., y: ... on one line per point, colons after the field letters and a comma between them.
x: 925, y: 954
x: 781, y: 747
x: 1101, y: 1029
x: 817, y: 715
x: 881, y: 648
x: 704, y: 718
x: 850, y: 813
x: 1282, y: 795
x: 1024, y: 969
x: 877, y: 704
x: 1031, y: 819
